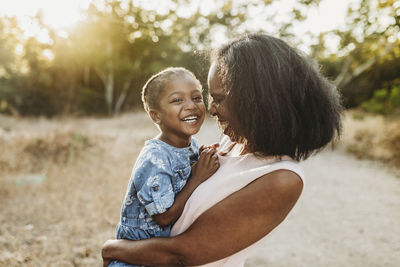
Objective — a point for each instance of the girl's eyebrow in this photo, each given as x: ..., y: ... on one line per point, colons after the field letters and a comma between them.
x: 180, y: 93
x: 174, y: 93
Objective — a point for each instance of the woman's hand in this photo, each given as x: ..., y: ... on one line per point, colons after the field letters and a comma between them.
x: 206, y: 166
x: 106, y: 262
x: 105, y: 252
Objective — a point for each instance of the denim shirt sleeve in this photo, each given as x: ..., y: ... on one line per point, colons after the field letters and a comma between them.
x: 153, y: 183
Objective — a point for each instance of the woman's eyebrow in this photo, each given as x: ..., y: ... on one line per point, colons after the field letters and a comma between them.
x: 217, y: 95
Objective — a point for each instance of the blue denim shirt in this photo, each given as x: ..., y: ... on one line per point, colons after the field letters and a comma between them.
x: 160, y: 172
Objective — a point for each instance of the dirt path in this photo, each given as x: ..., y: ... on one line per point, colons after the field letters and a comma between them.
x: 348, y: 215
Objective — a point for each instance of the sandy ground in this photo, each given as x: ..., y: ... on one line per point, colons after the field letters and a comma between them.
x: 348, y: 214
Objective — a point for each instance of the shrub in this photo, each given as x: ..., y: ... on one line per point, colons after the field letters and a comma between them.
x: 385, y: 100
x: 394, y: 98
x: 33, y: 152
x: 392, y: 142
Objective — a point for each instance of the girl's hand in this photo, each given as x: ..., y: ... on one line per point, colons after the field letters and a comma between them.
x: 206, y: 166
x: 213, y: 146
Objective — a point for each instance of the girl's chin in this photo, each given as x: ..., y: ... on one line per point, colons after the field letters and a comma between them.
x: 193, y: 131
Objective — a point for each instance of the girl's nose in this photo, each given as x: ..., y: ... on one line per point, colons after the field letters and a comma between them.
x: 190, y: 105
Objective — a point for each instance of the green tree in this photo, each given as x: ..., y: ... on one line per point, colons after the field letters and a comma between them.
x: 368, y: 54
x: 99, y: 66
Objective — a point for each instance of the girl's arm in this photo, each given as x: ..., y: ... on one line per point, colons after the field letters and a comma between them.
x: 226, y: 228
x: 206, y: 166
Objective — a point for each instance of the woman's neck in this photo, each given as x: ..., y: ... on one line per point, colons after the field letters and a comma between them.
x: 174, y: 141
x: 235, y: 149
x: 245, y: 150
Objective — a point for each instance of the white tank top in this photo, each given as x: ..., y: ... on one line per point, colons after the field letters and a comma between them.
x: 235, y: 172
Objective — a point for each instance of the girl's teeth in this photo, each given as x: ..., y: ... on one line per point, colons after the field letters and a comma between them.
x: 190, y: 119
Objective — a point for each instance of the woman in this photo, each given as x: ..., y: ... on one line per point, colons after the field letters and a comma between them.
x: 275, y: 109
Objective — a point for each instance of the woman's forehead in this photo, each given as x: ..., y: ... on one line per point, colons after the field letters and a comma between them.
x: 215, y: 87
x: 213, y: 72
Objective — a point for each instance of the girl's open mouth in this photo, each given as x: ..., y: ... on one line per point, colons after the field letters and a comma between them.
x: 190, y: 119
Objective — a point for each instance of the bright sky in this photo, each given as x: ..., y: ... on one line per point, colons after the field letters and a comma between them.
x: 58, y: 13
x: 63, y: 13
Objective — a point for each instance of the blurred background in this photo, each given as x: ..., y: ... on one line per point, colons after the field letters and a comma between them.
x: 72, y: 123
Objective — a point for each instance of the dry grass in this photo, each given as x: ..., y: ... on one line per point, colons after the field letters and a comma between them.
x: 372, y: 137
x: 86, y: 163
x: 62, y: 181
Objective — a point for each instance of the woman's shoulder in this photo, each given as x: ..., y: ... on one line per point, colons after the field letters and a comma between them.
x: 270, y: 166
x: 288, y: 167
x: 285, y: 177
x: 278, y: 179
x: 281, y: 183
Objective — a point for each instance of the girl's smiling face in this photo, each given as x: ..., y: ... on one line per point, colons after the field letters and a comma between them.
x: 181, y: 111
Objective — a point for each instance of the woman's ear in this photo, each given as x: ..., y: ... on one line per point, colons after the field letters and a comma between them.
x: 155, y: 116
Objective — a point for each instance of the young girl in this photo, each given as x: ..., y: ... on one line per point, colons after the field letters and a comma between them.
x: 160, y: 186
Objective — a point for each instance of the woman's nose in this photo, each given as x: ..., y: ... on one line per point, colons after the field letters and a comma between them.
x: 212, y: 109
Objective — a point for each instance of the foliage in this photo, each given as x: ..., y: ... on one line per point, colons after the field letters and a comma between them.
x: 385, y: 100
x: 368, y: 54
x: 100, y: 66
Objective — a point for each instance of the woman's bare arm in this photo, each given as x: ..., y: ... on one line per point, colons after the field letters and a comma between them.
x: 226, y: 228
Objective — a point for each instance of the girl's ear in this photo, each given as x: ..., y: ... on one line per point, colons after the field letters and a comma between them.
x: 155, y: 116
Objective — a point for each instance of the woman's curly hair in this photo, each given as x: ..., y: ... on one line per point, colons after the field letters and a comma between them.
x: 281, y: 103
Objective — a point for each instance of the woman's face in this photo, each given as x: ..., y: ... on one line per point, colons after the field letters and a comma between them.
x: 217, y: 103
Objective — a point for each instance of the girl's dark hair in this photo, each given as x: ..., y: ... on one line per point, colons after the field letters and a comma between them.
x: 158, y: 82
x: 281, y: 103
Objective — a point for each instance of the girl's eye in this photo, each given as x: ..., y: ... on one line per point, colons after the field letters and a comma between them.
x: 197, y: 98
x: 176, y: 100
